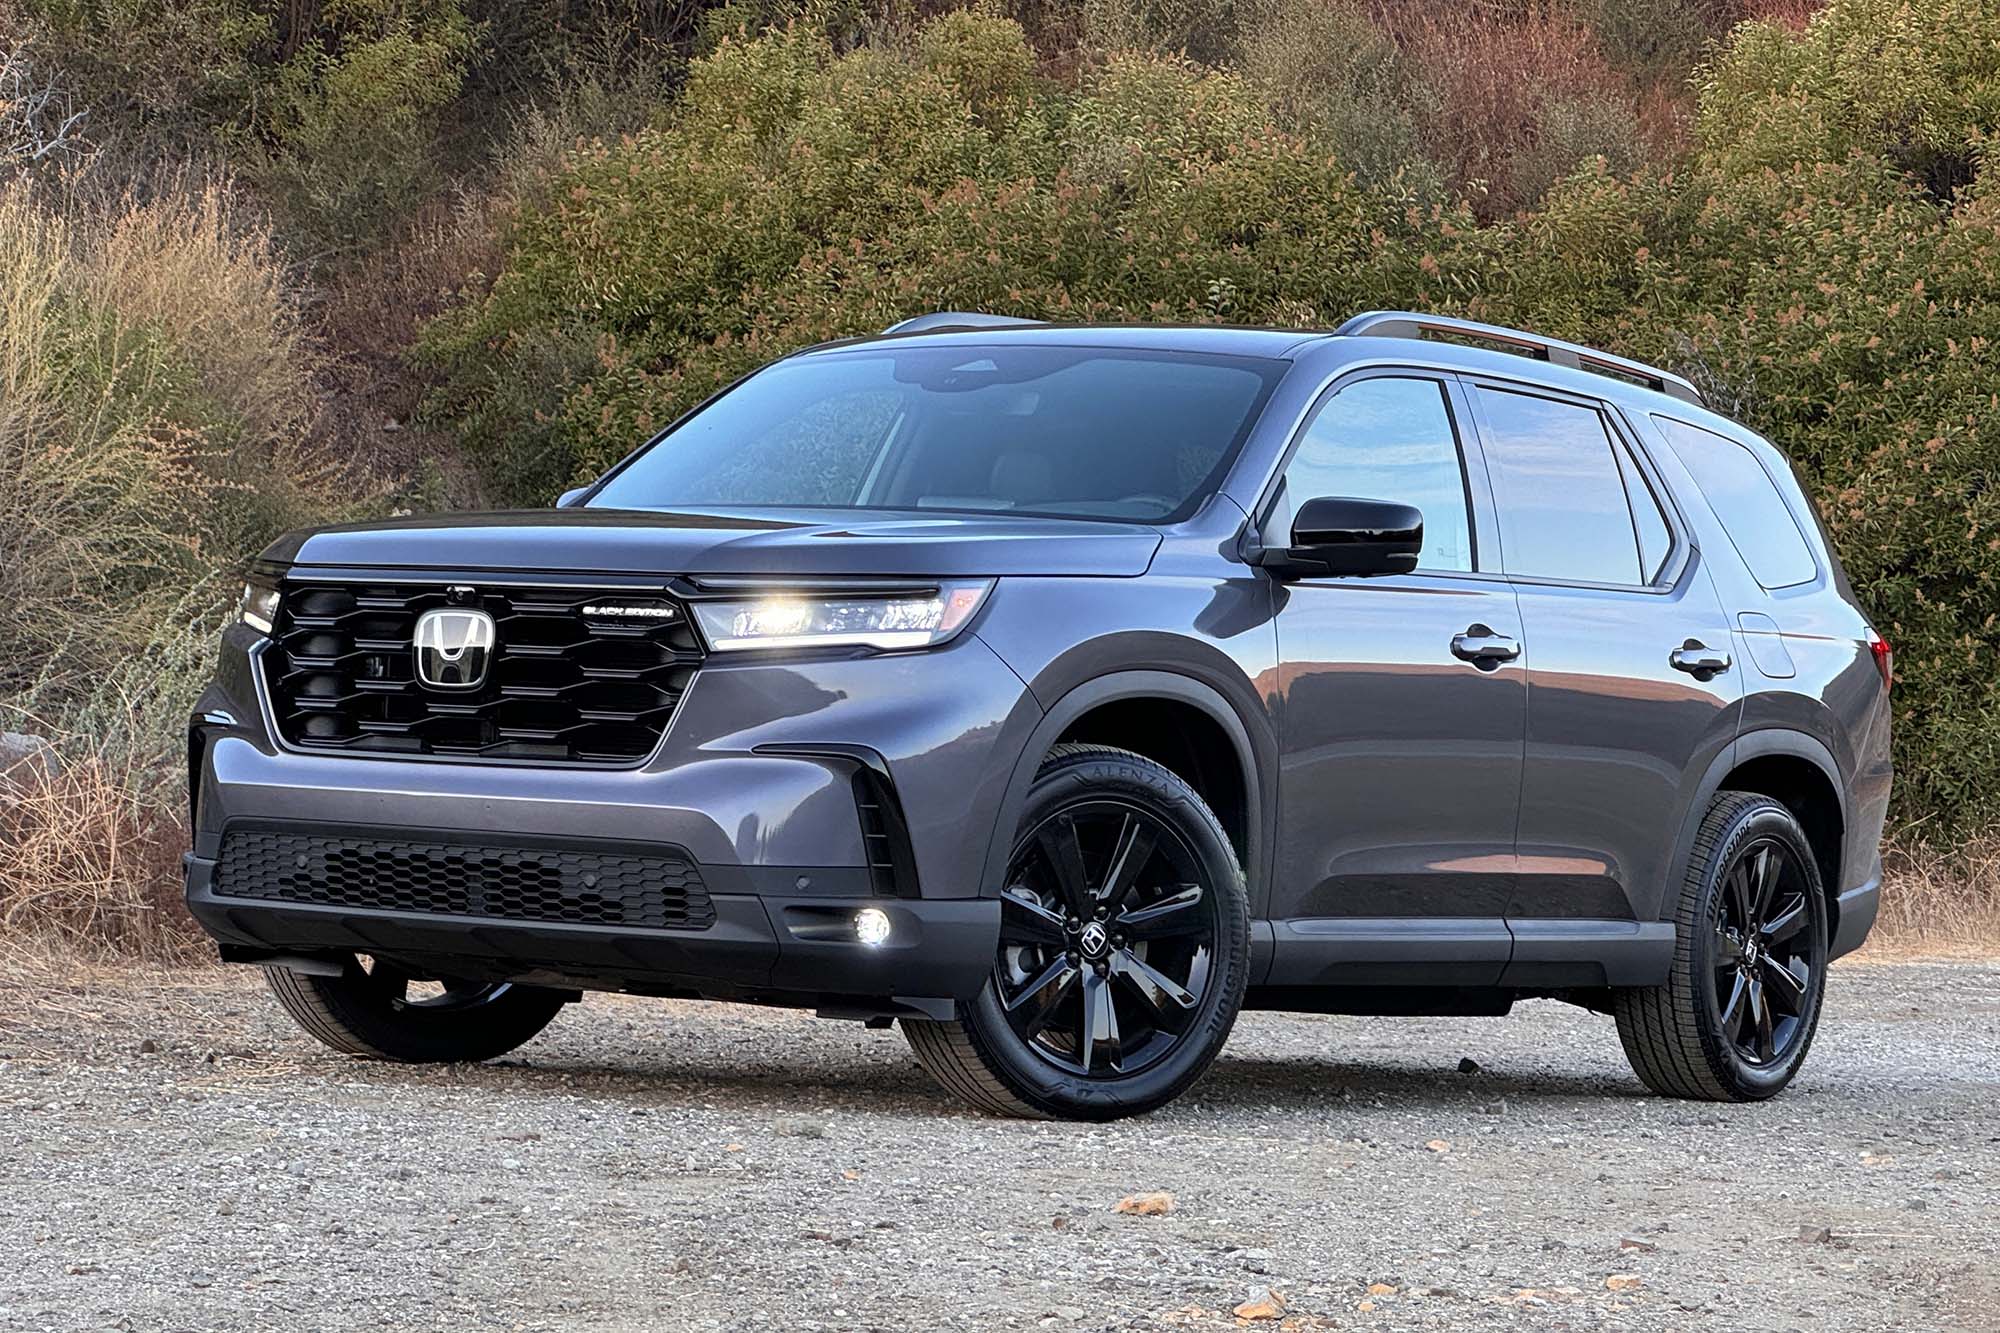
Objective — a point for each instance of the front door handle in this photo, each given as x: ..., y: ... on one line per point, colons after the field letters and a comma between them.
x: 1699, y: 660
x: 1483, y: 648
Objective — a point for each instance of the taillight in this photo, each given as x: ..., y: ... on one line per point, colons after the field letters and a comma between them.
x: 1885, y: 658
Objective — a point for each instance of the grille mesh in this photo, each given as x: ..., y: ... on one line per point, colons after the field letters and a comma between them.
x: 465, y: 879
x: 569, y: 682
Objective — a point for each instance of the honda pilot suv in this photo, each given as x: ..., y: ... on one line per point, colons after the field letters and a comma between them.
x: 1058, y: 693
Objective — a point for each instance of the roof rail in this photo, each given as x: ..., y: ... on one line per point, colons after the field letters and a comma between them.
x: 943, y: 320
x: 1408, y: 324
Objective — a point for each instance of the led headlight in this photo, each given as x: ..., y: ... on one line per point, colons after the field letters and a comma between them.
x: 805, y: 619
x: 259, y: 605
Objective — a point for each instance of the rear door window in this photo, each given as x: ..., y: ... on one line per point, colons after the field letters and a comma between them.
x: 1561, y: 485
x: 1743, y: 496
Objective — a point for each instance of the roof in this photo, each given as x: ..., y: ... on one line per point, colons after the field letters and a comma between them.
x: 1215, y: 339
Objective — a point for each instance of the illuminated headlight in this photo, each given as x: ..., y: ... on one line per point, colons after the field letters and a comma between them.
x: 259, y: 606
x: 807, y: 620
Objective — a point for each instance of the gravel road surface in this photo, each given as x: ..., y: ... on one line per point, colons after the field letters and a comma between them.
x: 173, y: 1155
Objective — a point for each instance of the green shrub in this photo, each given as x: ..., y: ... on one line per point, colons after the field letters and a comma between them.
x: 342, y: 139
x: 172, y: 70
x: 1915, y: 83
x: 1328, y: 71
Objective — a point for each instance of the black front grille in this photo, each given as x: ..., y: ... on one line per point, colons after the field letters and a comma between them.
x: 658, y: 892
x: 570, y: 679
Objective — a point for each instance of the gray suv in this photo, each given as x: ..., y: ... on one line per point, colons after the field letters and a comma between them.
x: 1060, y: 692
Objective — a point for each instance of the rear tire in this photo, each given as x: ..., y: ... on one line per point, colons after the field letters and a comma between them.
x: 1741, y: 1005
x: 1124, y: 949
x: 369, y: 1012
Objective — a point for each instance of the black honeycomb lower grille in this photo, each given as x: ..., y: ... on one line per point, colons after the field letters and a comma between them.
x: 576, y: 675
x: 658, y: 892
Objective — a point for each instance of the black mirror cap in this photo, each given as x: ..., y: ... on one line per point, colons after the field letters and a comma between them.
x: 1339, y: 534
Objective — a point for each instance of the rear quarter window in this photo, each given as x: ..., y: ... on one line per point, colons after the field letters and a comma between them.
x: 1743, y: 495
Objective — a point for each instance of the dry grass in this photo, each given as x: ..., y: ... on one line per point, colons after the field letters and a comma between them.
x: 192, y: 267
x: 90, y: 866
x: 1939, y: 903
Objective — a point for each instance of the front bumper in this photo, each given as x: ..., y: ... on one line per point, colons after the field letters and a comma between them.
x: 771, y: 950
x: 803, y: 790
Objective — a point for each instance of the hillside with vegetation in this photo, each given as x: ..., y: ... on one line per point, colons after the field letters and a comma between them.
x: 264, y: 265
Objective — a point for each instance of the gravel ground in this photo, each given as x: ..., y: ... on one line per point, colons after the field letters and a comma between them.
x: 174, y: 1156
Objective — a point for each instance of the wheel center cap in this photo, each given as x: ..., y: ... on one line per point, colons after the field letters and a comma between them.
x: 1093, y: 939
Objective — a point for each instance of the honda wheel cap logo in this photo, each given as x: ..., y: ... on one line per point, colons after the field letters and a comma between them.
x: 454, y: 646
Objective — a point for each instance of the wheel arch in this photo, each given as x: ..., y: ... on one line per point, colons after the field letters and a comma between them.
x: 1183, y: 723
x: 1797, y: 771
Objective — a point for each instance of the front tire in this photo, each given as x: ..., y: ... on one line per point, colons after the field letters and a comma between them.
x: 1741, y: 1005
x: 373, y: 1011
x: 1124, y: 949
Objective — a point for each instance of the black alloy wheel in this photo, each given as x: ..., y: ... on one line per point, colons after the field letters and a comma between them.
x: 1765, y: 972
x: 1123, y: 948
x: 1736, y: 1016
x: 1107, y: 938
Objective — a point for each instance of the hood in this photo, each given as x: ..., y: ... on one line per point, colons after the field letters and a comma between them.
x: 788, y: 543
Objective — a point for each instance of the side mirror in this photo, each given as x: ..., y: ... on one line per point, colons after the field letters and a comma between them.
x: 1338, y: 534
x: 570, y: 496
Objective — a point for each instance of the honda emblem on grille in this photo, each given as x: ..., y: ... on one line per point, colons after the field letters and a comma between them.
x: 454, y: 646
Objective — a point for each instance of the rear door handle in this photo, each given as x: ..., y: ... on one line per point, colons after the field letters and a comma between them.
x: 1699, y: 660
x: 1483, y: 648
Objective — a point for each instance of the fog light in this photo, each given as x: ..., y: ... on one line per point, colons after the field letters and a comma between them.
x: 871, y: 926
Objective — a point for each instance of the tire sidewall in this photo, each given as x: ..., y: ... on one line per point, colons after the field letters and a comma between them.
x: 1166, y: 797
x: 1764, y: 820
x: 417, y: 1035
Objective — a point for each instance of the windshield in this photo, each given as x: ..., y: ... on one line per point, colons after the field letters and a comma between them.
x: 1073, y: 432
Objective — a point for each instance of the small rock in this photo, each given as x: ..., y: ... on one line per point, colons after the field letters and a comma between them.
x: 1438, y: 1145
x: 1811, y: 1235
x: 800, y: 1129
x: 1262, y: 1304
x: 1381, y: 1289
x: 1623, y: 1282
x: 1156, y: 1203
x: 1632, y: 1243
x: 1067, y: 1313
x: 1494, y: 1108
x: 149, y: 1047
x: 1468, y: 1065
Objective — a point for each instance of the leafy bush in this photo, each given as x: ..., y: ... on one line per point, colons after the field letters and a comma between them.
x: 799, y: 194
x: 1511, y: 95
x: 1918, y: 84
x: 342, y: 139
x: 155, y: 404
x: 1328, y: 71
